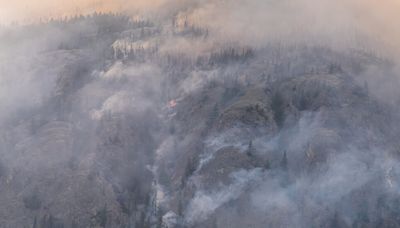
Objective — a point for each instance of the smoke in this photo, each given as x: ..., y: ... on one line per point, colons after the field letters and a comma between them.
x: 239, y: 112
x: 252, y: 21
x: 28, y: 11
x: 296, y: 197
x: 255, y: 22
x: 335, y: 23
x: 204, y: 204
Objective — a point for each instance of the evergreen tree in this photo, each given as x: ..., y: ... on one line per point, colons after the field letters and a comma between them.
x: 35, y: 223
x: 284, y: 167
x: 250, y: 149
x: 189, y: 170
x: 213, y: 116
x: 267, y: 164
x: 366, y: 88
x: 335, y: 221
x: 284, y: 162
x: 278, y: 109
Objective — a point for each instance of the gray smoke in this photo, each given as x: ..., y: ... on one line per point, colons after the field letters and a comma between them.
x: 202, y: 114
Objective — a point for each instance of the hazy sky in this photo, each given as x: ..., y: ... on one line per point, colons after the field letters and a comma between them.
x: 28, y: 10
x: 236, y: 18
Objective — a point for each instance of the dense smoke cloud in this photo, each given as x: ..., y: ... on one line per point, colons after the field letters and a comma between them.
x: 251, y: 22
x: 200, y: 113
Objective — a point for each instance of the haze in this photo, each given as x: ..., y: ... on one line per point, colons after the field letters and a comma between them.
x: 199, y: 113
x: 28, y: 11
x: 259, y: 18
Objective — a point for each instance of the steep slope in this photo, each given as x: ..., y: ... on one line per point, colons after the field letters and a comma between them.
x: 121, y: 123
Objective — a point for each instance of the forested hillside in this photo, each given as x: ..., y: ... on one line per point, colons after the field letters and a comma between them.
x: 109, y: 121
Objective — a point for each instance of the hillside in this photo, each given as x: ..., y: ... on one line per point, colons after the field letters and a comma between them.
x: 112, y: 122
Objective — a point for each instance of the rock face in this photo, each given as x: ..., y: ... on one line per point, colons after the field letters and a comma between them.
x: 113, y: 134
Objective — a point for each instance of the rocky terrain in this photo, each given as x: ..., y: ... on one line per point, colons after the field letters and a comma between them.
x: 112, y: 122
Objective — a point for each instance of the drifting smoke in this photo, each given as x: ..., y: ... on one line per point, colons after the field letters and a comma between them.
x: 253, y: 22
x: 200, y: 113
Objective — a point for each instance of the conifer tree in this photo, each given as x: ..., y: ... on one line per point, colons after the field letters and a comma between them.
x: 284, y: 161
x: 250, y: 149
